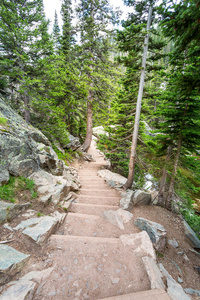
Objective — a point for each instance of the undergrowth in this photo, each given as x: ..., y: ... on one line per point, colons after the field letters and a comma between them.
x: 15, y: 188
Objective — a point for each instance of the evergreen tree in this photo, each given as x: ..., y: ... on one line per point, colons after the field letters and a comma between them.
x: 23, y: 37
x: 67, y: 29
x: 181, y: 106
x: 94, y: 18
x: 56, y: 32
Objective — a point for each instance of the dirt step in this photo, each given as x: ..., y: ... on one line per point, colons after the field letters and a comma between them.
x: 99, y: 192
x: 98, y: 200
x: 92, y: 209
x: 97, y: 186
x: 92, y: 268
x: 92, y: 225
x: 156, y: 294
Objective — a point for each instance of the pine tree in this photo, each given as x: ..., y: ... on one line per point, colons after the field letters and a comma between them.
x: 94, y: 18
x: 67, y: 29
x: 56, y: 33
x: 181, y: 105
x: 23, y: 37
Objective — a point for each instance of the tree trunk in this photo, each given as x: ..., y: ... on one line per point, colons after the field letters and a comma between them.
x: 88, y: 138
x: 129, y: 181
x: 171, y: 186
x: 27, y: 115
x: 164, y: 177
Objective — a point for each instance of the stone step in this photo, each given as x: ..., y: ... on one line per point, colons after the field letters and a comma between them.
x: 98, y: 200
x: 99, y: 192
x: 92, y: 209
x: 93, y: 267
x: 93, y: 225
x: 155, y: 294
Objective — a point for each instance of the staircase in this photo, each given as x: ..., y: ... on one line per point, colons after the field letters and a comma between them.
x: 90, y: 260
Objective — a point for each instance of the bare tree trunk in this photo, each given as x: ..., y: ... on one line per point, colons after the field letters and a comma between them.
x: 164, y: 177
x: 129, y: 181
x: 27, y: 115
x: 88, y: 138
x: 171, y: 186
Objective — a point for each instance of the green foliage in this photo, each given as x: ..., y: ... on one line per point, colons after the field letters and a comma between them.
x: 15, y: 187
x: 192, y: 219
x: 68, y: 156
x: 3, y: 121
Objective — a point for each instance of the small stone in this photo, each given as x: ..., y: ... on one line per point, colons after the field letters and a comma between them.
x: 185, y: 257
x: 8, y: 227
x: 180, y: 280
x: 117, y: 271
x: 75, y: 261
x: 76, y: 284
x: 173, y: 243
x: 52, y: 292
x: 114, y: 280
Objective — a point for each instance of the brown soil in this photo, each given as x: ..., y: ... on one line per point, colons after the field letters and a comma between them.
x: 63, y: 254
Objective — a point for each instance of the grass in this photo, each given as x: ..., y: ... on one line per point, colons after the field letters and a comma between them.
x: 17, y: 188
x: 3, y: 121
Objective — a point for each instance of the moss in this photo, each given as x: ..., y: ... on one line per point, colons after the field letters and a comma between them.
x: 3, y: 121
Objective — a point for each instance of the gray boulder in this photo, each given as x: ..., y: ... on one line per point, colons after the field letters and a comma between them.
x: 108, y: 175
x: 156, y: 232
x: 73, y: 144
x: 26, y: 286
x: 174, y: 289
x: 11, y: 262
x: 39, y: 229
x: 192, y: 292
x: 195, y: 242
x: 134, y: 198
x: 9, y: 211
x: 4, y: 176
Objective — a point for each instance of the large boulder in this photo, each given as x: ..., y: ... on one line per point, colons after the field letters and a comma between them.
x: 18, y: 144
x: 156, y: 232
x: 195, y: 242
x: 114, y: 177
x: 134, y: 198
x: 73, y: 144
x: 11, y: 262
x: 9, y: 211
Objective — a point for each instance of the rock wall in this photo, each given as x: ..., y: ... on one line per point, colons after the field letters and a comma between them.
x: 24, y: 149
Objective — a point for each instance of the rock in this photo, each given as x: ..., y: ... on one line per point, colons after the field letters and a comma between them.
x: 134, y: 198
x: 23, y: 167
x: 195, y: 242
x: 114, y: 218
x: 9, y: 211
x: 11, y: 262
x: 99, y: 130
x: 127, y: 201
x: 38, y: 276
x: 140, y: 243
x: 173, y: 243
x: 126, y: 216
x: 174, y: 289
x: 156, y: 232
x: 108, y: 175
x: 141, y: 198
x: 114, y: 280
x: 153, y: 272
x: 87, y: 157
x: 39, y: 229
x: 4, y: 175
x: 54, y: 188
x: 197, y: 269
x: 73, y: 144
x: 19, y: 290
x: 192, y: 292
x: 26, y: 286
x: 8, y: 227
x: 180, y: 279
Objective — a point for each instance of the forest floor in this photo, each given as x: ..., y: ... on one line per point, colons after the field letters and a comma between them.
x: 84, y: 252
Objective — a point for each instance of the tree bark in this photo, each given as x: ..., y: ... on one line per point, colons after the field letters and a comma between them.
x: 130, y: 179
x: 161, y: 192
x: 88, y: 138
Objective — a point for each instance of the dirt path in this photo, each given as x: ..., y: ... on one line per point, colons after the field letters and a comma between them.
x: 90, y: 261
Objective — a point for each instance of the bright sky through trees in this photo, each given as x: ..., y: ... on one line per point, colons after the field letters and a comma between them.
x: 51, y: 6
